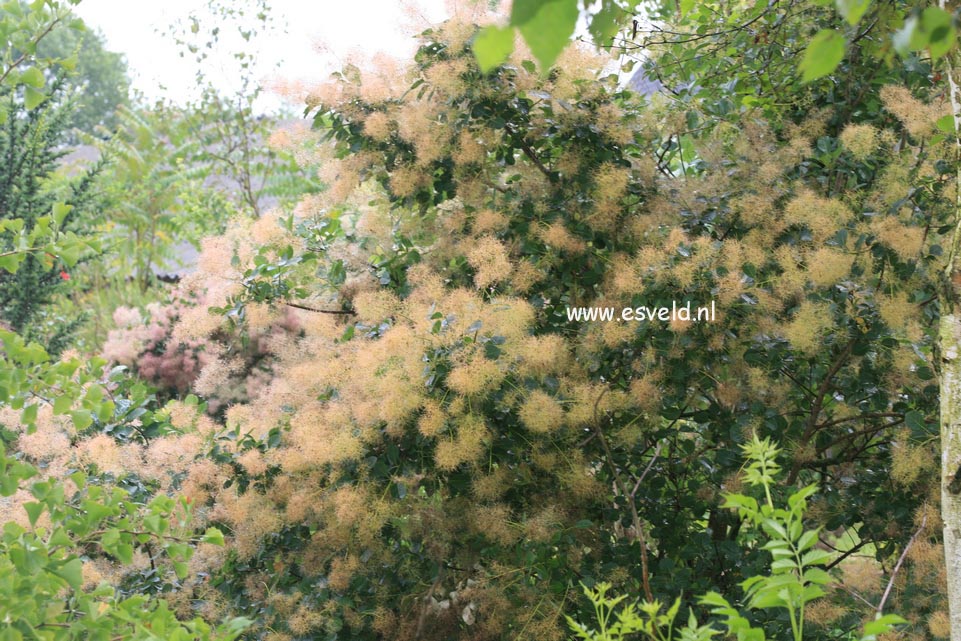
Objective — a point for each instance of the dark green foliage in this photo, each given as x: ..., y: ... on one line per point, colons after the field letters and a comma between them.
x: 31, y: 148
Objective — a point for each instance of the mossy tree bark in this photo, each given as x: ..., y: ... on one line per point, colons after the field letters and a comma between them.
x: 951, y: 461
x: 950, y: 384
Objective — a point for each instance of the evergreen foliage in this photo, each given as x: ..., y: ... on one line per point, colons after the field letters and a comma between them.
x: 31, y: 182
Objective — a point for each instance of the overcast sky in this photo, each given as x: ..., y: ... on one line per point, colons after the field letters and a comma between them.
x: 157, y: 70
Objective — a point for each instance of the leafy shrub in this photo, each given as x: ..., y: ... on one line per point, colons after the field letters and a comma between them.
x: 47, y: 589
x: 443, y: 453
x: 792, y: 580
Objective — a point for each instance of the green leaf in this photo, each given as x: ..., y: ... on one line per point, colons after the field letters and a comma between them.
x: 607, y: 20
x: 70, y: 253
x: 938, y: 26
x: 547, y: 26
x: 775, y: 527
x: 213, y: 536
x: 32, y: 77
x: 32, y: 98
x: 713, y: 598
x: 880, y: 625
x: 110, y: 538
x: 79, y: 479
x: 12, y: 224
x: 812, y: 592
x: 807, y: 540
x: 816, y: 557
x: 822, y: 55
x: 740, y: 501
x: 124, y: 553
x: 60, y: 538
x: 71, y: 572
x: 62, y: 404
x: 796, y: 500
x: 492, y: 46
x: 69, y: 63
x: 155, y: 523
x: 29, y: 415
x: 853, y: 10
x: 817, y: 576
x: 81, y: 419
x: 11, y: 262
x: 783, y: 564
x: 180, y: 568
x: 34, y: 510
x: 60, y: 211
x: 946, y: 124
x: 94, y: 394
x: 105, y: 411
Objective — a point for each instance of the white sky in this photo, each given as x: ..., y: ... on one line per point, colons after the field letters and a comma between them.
x: 367, y: 26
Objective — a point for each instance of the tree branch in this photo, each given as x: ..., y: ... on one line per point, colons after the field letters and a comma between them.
x: 345, y: 312
x: 628, y: 496
x: 529, y: 152
x: 897, y: 566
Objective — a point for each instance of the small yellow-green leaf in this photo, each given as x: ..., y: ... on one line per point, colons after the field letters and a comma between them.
x: 124, y: 553
x: 60, y: 211
x: 946, y: 124
x: 939, y: 29
x: 32, y: 97
x: 105, y: 411
x: 181, y: 569
x: 492, y: 46
x: 34, y: 510
x: 62, y: 404
x: 11, y: 262
x: 29, y: 415
x: 81, y: 419
x: 547, y: 26
x: 853, y: 10
x: 822, y: 56
x: 70, y: 63
x: 71, y: 572
x: 213, y: 536
x: 32, y: 77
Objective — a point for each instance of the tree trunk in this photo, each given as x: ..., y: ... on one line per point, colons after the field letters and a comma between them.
x: 949, y: 336
x: 950, y: 339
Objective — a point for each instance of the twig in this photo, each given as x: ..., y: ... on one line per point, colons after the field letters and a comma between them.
x: 348, y: 312
x: 529, y: 152
x: 897, y: 566
x: 855, y: 594
x: 635, y: 517
x: 23, y: 56
x: 422, y: 619
x: 865, y: 416
x: 640, y: 479
x: 844, y: 555
x: 816, y: 406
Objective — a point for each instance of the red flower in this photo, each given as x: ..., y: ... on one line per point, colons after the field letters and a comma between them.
x: 64, y: 275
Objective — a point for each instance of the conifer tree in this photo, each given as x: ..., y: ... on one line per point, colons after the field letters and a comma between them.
x: 31, y: 147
